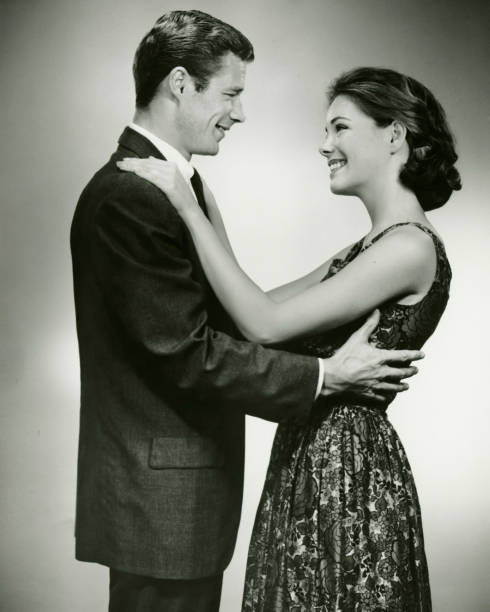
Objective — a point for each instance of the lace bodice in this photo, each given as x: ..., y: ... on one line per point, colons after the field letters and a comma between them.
x: 401, y: 326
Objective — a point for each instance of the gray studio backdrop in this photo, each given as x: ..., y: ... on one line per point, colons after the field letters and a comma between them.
x: 66, y: 91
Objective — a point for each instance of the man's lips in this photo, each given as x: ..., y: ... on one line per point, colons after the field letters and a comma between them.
x: 221, y: 129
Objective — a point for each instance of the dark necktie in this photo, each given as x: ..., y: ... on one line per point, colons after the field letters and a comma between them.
x: 197, y: 186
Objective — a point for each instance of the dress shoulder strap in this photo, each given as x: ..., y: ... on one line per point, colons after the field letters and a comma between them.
x: 421, y: 226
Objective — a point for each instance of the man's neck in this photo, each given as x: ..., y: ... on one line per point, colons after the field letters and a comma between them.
x: 161, y: 128
x: 169, y: 152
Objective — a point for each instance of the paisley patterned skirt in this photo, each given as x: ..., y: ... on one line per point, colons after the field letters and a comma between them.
x: 338, y: 527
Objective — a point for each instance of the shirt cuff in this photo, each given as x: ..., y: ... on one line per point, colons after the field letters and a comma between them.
x: 321, y: 375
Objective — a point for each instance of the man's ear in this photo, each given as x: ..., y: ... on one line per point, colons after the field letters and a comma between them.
x: 398, y: 136
x: 178, y: 80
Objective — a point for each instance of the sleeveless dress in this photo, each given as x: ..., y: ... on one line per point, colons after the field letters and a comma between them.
x: 338, y: 528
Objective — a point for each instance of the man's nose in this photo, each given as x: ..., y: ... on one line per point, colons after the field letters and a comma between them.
x: 237, y: 113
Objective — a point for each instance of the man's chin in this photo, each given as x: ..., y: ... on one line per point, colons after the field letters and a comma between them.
x: 208, y: 150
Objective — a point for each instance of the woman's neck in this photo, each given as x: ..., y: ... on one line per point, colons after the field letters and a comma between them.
x: 389, y: 205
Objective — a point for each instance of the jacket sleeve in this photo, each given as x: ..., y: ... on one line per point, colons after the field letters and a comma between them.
x: 140, y: 254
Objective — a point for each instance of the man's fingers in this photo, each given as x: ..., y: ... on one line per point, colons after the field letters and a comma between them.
x: 390, y: 387
x: 397, y: 373
x: 370, y: 325
x: 401, y: 356
x: 379, y: 390
x: 373, y: 395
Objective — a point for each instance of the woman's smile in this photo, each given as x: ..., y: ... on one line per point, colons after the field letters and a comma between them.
x: 335, y: 165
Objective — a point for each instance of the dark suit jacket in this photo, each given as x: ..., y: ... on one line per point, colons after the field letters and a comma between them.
x: 164, y: 386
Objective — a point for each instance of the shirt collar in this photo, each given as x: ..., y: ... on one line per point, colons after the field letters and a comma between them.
x: 167, y: 150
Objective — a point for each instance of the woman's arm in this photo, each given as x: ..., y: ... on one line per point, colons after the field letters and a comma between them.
x: 216, y: 219
x: 283, y: 292
x: 293, y: 288
x: 394, y: 267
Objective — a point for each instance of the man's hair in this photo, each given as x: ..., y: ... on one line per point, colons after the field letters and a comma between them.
x: 191, y: 39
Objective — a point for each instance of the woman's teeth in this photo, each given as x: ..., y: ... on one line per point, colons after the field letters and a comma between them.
x: 336, y: 164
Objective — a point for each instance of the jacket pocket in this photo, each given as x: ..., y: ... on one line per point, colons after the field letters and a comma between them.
x: 192, y: 452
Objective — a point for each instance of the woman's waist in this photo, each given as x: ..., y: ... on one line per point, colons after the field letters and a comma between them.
x: 350, y: 403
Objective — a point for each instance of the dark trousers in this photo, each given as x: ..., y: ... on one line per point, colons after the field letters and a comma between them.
x: 131, y: 593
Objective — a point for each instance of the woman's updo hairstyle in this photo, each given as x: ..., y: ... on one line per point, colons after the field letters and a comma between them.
x: 385, y: 96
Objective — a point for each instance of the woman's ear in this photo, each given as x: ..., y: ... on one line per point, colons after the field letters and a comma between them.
x: 398, y: 136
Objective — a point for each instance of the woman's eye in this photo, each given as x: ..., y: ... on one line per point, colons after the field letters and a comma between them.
x: 339, y: 127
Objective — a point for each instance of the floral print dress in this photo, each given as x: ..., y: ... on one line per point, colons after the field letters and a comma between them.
x: 338, y: 528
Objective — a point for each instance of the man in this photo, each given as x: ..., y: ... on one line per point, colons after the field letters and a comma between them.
x: 165, y: 383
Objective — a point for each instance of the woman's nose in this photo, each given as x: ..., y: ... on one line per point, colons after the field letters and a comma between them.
x: 325, y: 148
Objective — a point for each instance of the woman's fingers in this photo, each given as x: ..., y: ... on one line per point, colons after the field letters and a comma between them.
x: 161, y: 173
x: 159, y: 166
x: 166, y: 176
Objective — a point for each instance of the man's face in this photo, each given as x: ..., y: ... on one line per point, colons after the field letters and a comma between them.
x: 204, y: 116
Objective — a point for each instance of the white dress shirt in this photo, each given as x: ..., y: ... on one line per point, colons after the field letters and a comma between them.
x: 187, y: 170
x: 168, y: 151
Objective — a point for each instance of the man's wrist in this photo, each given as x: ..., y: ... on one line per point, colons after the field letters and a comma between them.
x: 321, y: 376
x: 331, y: 382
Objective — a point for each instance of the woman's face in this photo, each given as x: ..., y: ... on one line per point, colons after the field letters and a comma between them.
x: 358, y: 151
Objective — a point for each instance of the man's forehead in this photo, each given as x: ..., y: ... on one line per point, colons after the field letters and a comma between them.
x: 232, y: 69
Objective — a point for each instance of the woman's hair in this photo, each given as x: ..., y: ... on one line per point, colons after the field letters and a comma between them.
x: 385, y: 96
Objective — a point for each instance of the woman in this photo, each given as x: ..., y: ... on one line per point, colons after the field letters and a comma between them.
x: 339, y: 524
